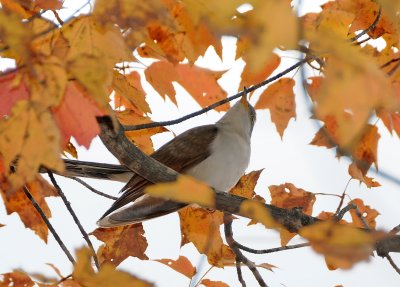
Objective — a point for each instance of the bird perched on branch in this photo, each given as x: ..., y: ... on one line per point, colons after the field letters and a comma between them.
x: 216, y: 154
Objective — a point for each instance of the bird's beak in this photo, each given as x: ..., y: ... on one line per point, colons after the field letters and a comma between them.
x: 244, y: 102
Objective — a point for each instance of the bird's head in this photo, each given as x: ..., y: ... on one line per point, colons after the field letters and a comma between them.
x: 241, y: 116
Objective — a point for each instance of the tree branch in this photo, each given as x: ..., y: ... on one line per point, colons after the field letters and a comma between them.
x: 48, y: 224
x: 216, y: 104
x: 76, y: 220
x: 134, y: 159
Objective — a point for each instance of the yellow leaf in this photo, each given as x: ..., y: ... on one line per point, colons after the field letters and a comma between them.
x: 342, y: 245
x: 185, y: 189
x: 31, y: 137
x: 201, y: 227
x: 246, y: 184
x: 15, y: 35
x: 108, y: 276
x: 181, y: 265
x: 258, y: 212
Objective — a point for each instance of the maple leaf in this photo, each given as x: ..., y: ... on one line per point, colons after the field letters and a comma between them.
x: 29, y: 135
x: 279, y: 99
x: 129, y: 92
x: 15, y: 36
x: 178, y: 190
x: 288, y: 196
x: 18, y: 202
x: 200, y: 83
x: 350, y: 73
x: 107, y: 276
x: 342, y: 245
x: 16, y: 278
x: 258, y: 212
x: 262, y: 32
x: 49, y: 4
x: 141, y: 138
x: 181, y: 265
x: 120, y: 243
x: 201, y: 227
x: 211, y: 283
x: 250, y: 78
x: 246, y: 184
x: 369, y: 214
x: 76, y: 116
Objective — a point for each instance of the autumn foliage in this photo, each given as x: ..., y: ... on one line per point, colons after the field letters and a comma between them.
x: 67, y: 72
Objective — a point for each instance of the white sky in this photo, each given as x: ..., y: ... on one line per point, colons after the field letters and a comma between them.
x: 288, y: 160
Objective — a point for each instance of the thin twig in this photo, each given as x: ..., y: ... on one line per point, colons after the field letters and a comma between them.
x: 239, y: 255
x: 93, y: 189
x: 349, y: 207
x: 270, y: 250
x: 239, y: 273
x: 202, y: 277
x: 370, y: 28
x: 342, y: 197
x: 76, y: 220
x: 216, y: 104
x: 49, y: 225
x: 395, y: 267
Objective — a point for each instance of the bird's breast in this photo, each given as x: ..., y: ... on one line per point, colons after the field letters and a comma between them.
x: 229, y: 158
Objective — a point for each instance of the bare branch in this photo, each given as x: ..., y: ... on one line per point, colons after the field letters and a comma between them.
x: 76, y: 220
x: 49, y: 225
x: 93, y: 189
x: 395, y: 267
x: 239, y: 255
x: 370, y: 28
x: 216, y: 104
x: 270, y: 250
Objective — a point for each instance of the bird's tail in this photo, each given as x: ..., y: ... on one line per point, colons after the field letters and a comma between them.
x: 144, y: 209
x: 95, y: 170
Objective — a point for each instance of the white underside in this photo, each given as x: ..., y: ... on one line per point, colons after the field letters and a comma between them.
x: 227, y: 163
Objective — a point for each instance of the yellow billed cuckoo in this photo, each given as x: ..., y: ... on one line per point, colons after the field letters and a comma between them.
x: 216, y: 154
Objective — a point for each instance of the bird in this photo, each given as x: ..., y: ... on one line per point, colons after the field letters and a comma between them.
x: 216, y: 154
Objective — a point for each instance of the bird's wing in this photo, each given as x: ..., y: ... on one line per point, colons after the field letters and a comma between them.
x: 96, y: 170
x: 181, y: 153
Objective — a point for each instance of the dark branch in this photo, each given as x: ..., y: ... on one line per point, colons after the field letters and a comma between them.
x: 49, y: 225
x: 239, y: 255
x: 76, y: 220
x: 134, y: 159
x: 217, y: 104
x: 370, y: 28
x: 93, y: 189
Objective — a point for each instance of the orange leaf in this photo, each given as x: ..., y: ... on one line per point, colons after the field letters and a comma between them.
x: 141, y: 138
x: 16, y: 278
x: 342, y: 245
x: 181, y: 265
x: 279, y: 99
x: 210, y: 283
x: 129, y: 92
x: 369, y: 214
x: 288, y: 196
x: 201, y: 227
x: 356, y: 173
x: 121, y: 242
x: 18, y: 202
x: 76, y: 116
x: 200, y: 83
x: 107, y: 276
x: 250, y: 78
x: 49, y: 4
x: 185, y: 189
x: 365, y: 151
x: 246, y: 184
